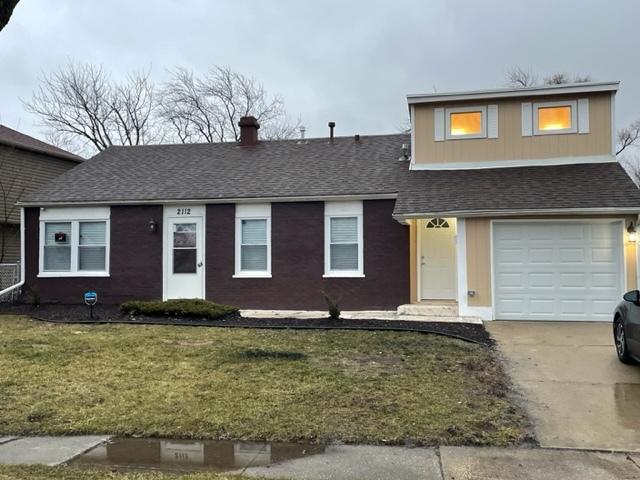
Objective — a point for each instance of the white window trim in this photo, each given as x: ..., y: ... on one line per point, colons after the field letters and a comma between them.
x: 252, y: 212
x: 483, y: 122
x: 75, y: 243
x: 566, y: 103
x: 343, y: 210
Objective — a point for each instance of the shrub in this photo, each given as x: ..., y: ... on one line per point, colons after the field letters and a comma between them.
x: 333, y: 307
x: 188, y: 307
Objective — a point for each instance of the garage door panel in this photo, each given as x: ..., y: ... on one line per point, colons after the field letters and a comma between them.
x: 557, y: 270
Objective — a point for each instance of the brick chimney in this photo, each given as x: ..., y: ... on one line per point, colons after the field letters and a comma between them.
x: 248, y: 131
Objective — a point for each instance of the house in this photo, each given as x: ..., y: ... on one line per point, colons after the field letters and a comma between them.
x: 26, y: 164
x: 504, y: 204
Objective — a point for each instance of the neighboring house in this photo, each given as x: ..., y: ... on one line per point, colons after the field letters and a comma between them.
x: 26, y: 164
x: 503, y: 204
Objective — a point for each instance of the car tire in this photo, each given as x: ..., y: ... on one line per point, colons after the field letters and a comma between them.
x: 620, y: 342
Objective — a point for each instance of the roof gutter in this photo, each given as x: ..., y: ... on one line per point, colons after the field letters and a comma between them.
x: 402, y: 218
x: 569, y: 88
x: 200, y: 201
x: 22, y: 257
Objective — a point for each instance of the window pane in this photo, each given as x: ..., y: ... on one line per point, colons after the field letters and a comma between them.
x: 344, y: 257
x: 57, y: 233
x: 57, y: 258
x: 344, y: 230
x: 253, y: 258
x: 91, y: 258
x: 254, y: 232
x: 466, y: 123
x: 93, y: 233
x: 184, y: 260
x: 554, y: 118
x: 184, y: 235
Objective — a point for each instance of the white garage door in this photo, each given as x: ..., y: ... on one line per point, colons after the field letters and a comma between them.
x: 557, y: 270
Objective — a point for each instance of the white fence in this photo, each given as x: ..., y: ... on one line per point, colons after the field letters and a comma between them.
x: 9, y: 275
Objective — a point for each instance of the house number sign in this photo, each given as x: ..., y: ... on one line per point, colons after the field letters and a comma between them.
x: 183, y: 211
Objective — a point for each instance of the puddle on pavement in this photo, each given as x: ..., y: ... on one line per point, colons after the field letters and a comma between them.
x: 190, y: 455
x: 627, y: 401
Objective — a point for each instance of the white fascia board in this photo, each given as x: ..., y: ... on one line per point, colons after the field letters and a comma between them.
x: 201, y: 201
x: 75, y: 213
x: 402, y: 218
x: 525, y: 162
x: 569, y: 88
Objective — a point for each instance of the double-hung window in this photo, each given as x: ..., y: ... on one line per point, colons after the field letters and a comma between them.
x: 343, y: 239
x: 253, y: 240
x: 74, y: 242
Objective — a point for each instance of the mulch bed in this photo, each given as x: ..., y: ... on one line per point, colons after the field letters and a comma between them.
x: 112, y: 314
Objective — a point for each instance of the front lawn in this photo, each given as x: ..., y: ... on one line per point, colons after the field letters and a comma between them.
x: 192, y: 382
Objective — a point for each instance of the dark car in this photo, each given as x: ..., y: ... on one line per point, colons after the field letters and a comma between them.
x: 626, y: 328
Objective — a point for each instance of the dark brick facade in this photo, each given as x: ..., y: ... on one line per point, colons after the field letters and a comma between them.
x: 297, y: 256
x: 297, y: 261
x: 135, y: 260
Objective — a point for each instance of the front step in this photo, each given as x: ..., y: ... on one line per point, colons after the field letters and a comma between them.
x: 429, y: 309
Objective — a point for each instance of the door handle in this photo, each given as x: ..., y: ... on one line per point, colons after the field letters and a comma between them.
x: 199, y: 264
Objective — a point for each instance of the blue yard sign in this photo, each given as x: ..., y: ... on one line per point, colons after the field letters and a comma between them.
x: 90, y: 298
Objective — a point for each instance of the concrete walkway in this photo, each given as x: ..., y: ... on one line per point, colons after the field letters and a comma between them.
x: 350, y: 462
x: 576, y: 391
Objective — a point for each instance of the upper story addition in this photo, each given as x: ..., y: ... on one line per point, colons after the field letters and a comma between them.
x: 533, y: 126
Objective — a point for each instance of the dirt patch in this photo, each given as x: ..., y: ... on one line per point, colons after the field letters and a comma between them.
x: 112, y: 314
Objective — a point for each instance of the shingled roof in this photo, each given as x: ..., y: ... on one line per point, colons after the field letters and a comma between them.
x: 307, y: 169
x: 13, y: 138
x: 597, y: 186
x: 215, y: 171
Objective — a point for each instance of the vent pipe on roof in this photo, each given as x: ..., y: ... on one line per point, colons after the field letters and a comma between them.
x: 332, y: 125
x: 248, y: 131
x: 303, y: 129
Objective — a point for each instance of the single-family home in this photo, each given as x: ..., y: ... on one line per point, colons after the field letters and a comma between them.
x: 500, y: 204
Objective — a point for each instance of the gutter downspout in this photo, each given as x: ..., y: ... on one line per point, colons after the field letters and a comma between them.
x: 22, y: 256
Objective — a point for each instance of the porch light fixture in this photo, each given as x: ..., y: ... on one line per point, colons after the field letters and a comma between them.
x: 153, y: 226
x: 633, y: 235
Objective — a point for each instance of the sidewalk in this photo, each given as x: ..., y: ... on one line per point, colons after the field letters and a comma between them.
x: 351, y: 462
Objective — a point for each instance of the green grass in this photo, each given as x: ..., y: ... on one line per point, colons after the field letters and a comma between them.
x: 68, y: 473
x: 189, y: 382
x: 179, y: 308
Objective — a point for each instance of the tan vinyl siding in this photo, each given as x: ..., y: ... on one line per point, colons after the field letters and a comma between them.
x: 510, y: 144
x: 10, y: 251
x: 413, y: 260
x: 23, y: 171
x: 478, y: 261
x: 478, y: 237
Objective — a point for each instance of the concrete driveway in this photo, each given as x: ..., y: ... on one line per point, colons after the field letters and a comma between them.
x: 577, y: 392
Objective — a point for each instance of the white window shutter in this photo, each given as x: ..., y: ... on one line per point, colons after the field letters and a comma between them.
x: 583, y: 115
x: 438, y: 124
x: 492, y: 121
x: 527, y: 119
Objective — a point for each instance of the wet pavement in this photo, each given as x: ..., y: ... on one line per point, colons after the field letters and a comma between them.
x: 576, y: 391
x: 190, y: 455
x: 319, y: 462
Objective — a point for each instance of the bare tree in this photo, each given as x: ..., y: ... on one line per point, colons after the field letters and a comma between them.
x: 82, y: 107
x: 628, y: 136
x: 517, y: 77
x: 208, y: 108
x: 559, y: 78
x: 6, y: 9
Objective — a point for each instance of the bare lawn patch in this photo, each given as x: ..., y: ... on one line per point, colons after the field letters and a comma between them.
x: 252, y: 384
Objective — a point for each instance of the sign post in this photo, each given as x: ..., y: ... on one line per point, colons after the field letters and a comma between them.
x: 90, y: 298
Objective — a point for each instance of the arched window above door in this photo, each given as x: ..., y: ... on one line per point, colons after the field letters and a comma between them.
x: 437, y: 223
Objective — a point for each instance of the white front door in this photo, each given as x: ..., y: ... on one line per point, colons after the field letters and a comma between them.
x: 557, y: 270
x: 184, y: 252
x: 438, y: 259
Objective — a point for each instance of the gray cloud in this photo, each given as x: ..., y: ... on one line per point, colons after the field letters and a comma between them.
x: 348, y: 61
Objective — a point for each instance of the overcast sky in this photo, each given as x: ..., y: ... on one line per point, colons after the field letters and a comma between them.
x: 348, y: 61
